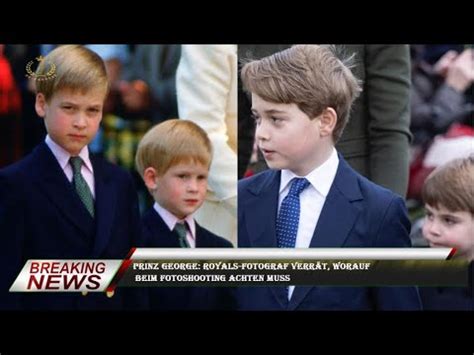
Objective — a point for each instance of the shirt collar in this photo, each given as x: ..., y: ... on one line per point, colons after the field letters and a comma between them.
x: 321, y: 178
x: 62, y: 156
x: 171, y: 220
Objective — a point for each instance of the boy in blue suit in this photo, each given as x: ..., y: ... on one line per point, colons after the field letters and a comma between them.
x: 301, y: 98
x: 173, y: 159
x: 59, y: 202
x: 448, y: 194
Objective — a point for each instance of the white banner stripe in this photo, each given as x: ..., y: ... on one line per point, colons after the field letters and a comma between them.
x: 288, y: 254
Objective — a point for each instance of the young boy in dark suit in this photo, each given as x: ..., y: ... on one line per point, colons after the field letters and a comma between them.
x: 448, y: 193
x: 174, y: 159
x: 59, y: 202
x: 301, y: 98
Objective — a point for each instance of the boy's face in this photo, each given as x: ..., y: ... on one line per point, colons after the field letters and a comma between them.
x: 182, y: 189
x: 443, y: 228
x: 71, y: 117
x: 287, y: 137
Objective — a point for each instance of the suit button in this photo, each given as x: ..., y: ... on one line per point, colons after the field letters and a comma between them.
x: 84, y: 293
x: 110, y: 294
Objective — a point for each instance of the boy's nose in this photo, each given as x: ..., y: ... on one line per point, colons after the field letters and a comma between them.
x: 433, y: 228
x: 80, y: 121
x: 192, y: 185
x: 261, y: 132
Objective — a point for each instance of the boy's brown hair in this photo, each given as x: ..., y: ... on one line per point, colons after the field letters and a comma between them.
x: 73, y: 67
x: 172, y: 142
x: 452, y: 186
x: 310, y: 76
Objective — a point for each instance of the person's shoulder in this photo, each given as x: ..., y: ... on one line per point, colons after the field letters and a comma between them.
x: 379, y: 202
x: 373, y: 190
x: 106, y: 165
x: 12, y: 180
x: 256, y: 180
x: 18, y: 169
x: 111, y: 170
x: 370, y: 191
x: 213, y: 240
x: 382, y: 212
x: 16, y: 179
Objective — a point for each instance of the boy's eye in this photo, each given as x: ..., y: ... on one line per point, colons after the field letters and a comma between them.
x: 202, y: 177
x: 277, y: 121
x: 93, y: 110
x: 449, y: 221
x: 182, y: 176
x: 429, y: 215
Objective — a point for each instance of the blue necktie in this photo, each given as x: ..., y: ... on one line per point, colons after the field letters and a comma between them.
x: 181, y: 229
x: 289, y: 215
x: 81, y: 186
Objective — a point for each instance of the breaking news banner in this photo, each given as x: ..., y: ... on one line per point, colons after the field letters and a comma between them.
x: 66, y: 275
x: 150, y: 267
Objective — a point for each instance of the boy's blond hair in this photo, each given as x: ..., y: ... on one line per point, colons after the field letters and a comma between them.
x: 75, y: 67
x: 310, y: 76
x: 172, y: 142
x: 452, y: 186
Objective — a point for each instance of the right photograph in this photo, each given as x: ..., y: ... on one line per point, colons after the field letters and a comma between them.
x: 355, y: 146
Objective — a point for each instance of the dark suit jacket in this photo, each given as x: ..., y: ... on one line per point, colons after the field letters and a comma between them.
x: 42, y: 217
x: 357, y: 213
x: 156, y: 234
x: 376, y: 139
x: 449, y: 298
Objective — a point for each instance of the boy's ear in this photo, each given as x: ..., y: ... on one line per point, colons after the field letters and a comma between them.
x: 327, y: 121
x: 40, y: 105
x: 149, y: 177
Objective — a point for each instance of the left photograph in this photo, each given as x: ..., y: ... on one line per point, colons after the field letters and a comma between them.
x: 106, y: 148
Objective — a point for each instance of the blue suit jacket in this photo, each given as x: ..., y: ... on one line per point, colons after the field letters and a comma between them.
x: 156, y: 234
x: 42, y: 217
x: 357, y: 213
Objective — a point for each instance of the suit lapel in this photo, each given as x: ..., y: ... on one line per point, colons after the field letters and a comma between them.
x: 50, y: 178
x: 201, y: 237
x: 336, y: 220
x: 160, y: 234
x: 260, y: 216
x: 106, y: 202
x: 260, y: 211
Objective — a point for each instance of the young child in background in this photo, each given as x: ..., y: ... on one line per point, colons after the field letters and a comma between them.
x: 173, y: 159
x: 448, y: 194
